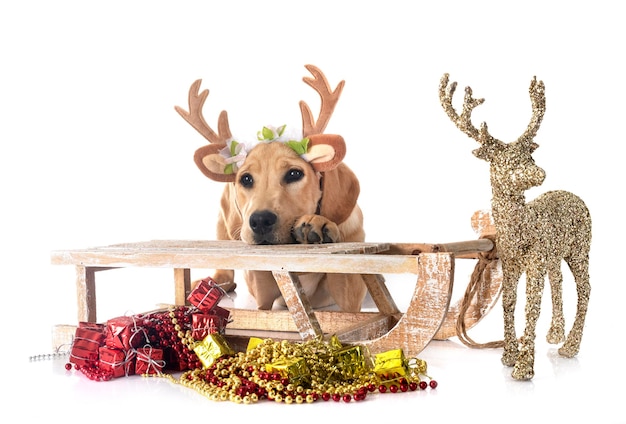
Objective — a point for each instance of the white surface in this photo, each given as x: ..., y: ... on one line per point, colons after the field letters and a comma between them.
x: 93, y: 153
x: 473, y: 387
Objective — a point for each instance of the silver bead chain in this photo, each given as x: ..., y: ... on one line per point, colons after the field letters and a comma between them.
x: 58, y: 354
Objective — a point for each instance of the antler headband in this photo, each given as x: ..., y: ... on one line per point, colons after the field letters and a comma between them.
x: 220, y: 159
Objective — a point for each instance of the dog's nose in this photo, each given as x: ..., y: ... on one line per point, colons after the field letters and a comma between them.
x: 263, y: 222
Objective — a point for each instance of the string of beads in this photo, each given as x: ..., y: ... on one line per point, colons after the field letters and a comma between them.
x: 243, y: 377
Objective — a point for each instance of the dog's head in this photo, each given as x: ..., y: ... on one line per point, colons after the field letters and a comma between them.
x: 277, y: 179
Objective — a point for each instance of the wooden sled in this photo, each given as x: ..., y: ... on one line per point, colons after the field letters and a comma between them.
x: 430, y: 315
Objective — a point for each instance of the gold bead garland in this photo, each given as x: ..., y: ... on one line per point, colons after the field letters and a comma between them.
x: 282, y: 371
x: 244, y: 378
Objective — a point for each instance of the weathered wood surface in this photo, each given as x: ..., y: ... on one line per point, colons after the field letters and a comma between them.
x: 363, y: 258
x: 428, y: 316
x: 487, y: 296
x: 411, y: 331
x: 426, y: 311
x: 298, y: 305
x: 189, y: 254
x: 490, y: 284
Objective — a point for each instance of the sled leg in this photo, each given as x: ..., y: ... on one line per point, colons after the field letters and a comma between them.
x: 380, y: 294
x: 298, y: 305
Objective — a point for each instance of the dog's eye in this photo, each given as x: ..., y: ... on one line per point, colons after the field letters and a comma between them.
x: 293, y: 175
x: 246, y: 180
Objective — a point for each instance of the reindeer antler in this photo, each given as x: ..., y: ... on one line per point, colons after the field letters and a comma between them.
x: 464, y: 121
x: 488, y: 143
x: 537, y: 93
x: 328, y: 102
x: 195, y: 119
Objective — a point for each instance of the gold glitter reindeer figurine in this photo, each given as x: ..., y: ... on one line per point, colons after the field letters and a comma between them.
x: 532, y: 238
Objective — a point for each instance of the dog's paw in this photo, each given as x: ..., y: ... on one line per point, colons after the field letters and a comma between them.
x: 315, y: 229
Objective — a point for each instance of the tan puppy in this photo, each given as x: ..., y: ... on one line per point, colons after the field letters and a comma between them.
x: 282, y: 191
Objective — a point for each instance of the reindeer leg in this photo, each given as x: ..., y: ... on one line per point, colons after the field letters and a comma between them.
x: 580, y: 270
x: 524, y: 367
x: 556, y: 333
x: 509, y: 299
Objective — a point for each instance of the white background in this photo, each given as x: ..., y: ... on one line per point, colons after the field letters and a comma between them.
x: 93, y: 153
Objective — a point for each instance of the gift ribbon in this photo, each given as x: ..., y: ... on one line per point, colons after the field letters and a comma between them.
x: 158, y: 364
x: 136, y: 330
x: 417, y: 367
x: 208, y: 292
x: 127, y: 361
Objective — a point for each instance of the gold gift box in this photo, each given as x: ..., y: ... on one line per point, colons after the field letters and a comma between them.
x: 295, y: 369
x: 351, y: 361
x: 253, y: 342
x: 211, y: 348
x: 390, y: 365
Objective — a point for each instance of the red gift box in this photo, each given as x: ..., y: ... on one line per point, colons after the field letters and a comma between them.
x: 224, y: 314
x: 125, y: 333
x: 95, y: 326
x: 206, y: 295
x: 204, y: 324
x: 87, y: 340
x: 121, y: 363
x: 149, y: 361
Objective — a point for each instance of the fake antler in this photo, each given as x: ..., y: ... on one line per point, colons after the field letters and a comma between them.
x: 537, y: 93
x: 211, y: 168
x: 195, y: 119
x: 325, y: 151
x: 464, y: 122
x: 328, y: 102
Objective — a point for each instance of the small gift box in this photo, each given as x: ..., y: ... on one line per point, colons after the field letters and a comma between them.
x: 95, y: 326
x: 121, y: 363
x: 213, y: 347
x: 149, y: 360
x: 125, y: 333
x: 206, y: 295
x: 223, y: 314
x: 390, y: 365
x: 351, y: 361
x: 204, y: 324
x: 87, y: 340
x: 294, y: 369
x: 253, y: 342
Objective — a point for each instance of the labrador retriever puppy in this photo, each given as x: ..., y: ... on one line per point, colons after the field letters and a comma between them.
x: 283, y: 189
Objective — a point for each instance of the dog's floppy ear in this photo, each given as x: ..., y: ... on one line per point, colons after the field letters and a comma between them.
x: 326, y: 151
x: 229, y: 221
x: 340, y: 192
